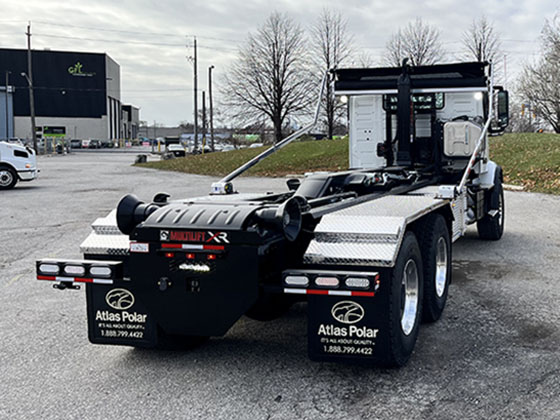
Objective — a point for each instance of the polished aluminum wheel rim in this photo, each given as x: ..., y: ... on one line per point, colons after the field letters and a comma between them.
x: 501, y: 210
x: 441, y: 266
x: 6, y: 178
x: 409, y: 297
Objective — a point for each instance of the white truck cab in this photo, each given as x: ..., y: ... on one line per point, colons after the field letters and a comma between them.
x: 17, y: 163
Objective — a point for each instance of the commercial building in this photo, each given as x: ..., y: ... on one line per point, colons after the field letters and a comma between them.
x: 76, y: 94
x: 130, y: 121
x: 6, y: 112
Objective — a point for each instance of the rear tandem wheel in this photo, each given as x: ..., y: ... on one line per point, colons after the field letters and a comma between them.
x: 436, y: 256
x: 405, y: 301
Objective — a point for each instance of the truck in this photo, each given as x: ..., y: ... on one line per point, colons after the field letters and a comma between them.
x: 368, y: 248
x: 17, y: 163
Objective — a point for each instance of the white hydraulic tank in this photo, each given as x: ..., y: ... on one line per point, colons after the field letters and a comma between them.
x: 460, y: 137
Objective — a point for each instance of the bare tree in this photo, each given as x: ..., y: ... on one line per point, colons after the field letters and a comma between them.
x: 331, y: 47
x: 539, y: 84
x: 481, y: 41
x: 270, y: 76
x: 417, y: 41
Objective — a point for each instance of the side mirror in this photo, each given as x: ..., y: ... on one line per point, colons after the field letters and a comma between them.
x: 502, y: 112
x: 503, y: 109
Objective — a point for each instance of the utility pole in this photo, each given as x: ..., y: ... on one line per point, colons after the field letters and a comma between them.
x: 203, y: 120
x: 195, y: 97
x: 31, y: 96
x: 211, y: 107
x: 7, y: 104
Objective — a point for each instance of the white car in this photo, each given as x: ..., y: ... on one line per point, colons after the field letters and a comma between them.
x: 177, y: 150
x: 17, y: 163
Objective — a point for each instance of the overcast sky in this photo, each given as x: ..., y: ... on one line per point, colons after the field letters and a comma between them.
x: 148, y: 38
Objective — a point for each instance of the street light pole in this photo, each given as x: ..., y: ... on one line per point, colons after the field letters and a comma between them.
x: 211, y: 108
x: 29, y: 77
x: 7, y: 104
x: 194, y: 60
x: 203, y: 121
x: 195, y: 97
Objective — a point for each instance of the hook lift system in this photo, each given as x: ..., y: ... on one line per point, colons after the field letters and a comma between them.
x: 368, y: 249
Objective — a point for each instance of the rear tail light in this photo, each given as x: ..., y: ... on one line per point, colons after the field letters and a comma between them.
x: 211, y: 257
x: 48, y: 269
x: 75, y: 270
x: 327, y: 281
x: 169, y: 254
x: 85, y: 271
x: 190, y: 256
x: 357, y: 283
x: 100, y: 271
x: 297, y: 281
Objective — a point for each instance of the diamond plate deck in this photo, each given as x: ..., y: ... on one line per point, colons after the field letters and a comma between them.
x: 107, y: 225
x: 106, y: 238
x: 369, y: 234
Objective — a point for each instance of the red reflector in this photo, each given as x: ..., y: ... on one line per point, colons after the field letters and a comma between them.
x: 317, y: 292
x: 39, y: 277
x: 169, y: 254
x: 190, y: 256
x: 214, y: 247
x: 171, y: 245
x: 369, y: 294
x: 211, y: 256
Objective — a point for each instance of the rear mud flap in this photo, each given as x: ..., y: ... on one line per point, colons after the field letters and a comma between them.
x: 348, y: 329
x: 115, y: 316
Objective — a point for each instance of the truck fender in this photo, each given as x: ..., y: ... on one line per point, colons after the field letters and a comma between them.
x: 8, y: 165
x: 487, y: 178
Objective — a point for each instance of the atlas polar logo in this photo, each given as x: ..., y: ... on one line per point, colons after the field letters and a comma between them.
x: 347, y: 312
x: 119, y: 299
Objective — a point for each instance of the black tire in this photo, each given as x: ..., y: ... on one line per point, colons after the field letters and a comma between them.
x: 269, y: 307
x: 8, y: 178
x: 435, y: 246
x: 402, y: 334
x: 492, y: 228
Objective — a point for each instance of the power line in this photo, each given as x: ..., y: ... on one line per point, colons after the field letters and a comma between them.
x: 110, y: 40
x: 71, y: 89
x: 118, y: 41
x: 134, y: 32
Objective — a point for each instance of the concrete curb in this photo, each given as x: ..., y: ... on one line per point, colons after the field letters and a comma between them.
x: 509, y: 187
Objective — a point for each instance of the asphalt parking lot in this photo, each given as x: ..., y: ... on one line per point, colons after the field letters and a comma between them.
x: 494, y: 354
